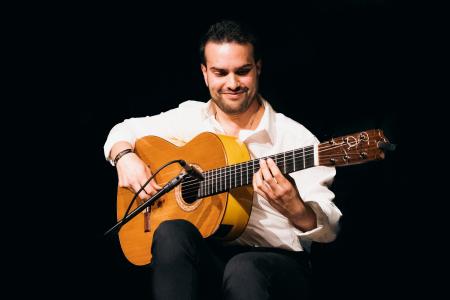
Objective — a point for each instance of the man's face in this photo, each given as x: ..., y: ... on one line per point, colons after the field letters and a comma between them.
x: 231, y: 75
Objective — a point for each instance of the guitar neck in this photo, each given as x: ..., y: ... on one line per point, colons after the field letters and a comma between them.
x: 351, y: 149
x: 226, y: 178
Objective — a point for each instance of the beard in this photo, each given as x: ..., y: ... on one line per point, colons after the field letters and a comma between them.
x: 238, y: 108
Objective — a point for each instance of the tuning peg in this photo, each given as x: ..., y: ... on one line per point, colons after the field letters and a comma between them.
x: 386, y: 146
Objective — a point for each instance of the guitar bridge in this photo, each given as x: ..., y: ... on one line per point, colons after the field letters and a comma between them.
x: 147, y: 212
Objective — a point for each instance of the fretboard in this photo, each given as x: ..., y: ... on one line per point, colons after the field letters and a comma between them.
x: 226, y: 178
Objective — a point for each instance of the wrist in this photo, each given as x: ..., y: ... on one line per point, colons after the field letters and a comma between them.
x: 121, y: 154
x: 304, y: 217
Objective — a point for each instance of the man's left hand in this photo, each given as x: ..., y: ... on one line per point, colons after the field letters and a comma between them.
x: 270, y: 183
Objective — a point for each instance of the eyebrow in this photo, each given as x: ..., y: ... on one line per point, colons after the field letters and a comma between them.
x: 239, y: 68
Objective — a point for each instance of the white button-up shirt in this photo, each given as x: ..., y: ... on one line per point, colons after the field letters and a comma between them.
x: 275, y: 133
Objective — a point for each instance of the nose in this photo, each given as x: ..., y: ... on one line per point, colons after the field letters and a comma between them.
x: 233, y: 82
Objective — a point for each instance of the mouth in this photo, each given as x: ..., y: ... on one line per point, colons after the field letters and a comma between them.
x: 234, y: 94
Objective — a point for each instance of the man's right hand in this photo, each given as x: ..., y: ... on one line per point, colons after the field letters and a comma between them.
x: 133, y: 173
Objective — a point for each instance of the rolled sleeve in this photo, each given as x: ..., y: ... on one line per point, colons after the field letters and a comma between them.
x: 181, y: 123
x: 131, y: 129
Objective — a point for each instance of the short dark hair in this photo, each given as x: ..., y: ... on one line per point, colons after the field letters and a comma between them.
x: 227, y: 31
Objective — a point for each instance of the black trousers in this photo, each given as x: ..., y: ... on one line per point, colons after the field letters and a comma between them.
x: 186, y: 266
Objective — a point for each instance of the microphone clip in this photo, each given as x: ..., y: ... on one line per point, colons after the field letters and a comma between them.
x: 191, y: 170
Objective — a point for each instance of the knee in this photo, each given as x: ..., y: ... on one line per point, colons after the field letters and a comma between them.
x: 174, y: 237
x: 175, y: 229
x: 243, y: 267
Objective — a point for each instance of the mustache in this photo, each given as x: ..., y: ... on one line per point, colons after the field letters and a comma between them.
x: 237, y: 91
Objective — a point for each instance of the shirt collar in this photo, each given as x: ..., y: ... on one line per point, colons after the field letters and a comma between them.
x: 265, y: 132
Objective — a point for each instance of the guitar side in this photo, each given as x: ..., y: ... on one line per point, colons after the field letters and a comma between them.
x: 224, y: 215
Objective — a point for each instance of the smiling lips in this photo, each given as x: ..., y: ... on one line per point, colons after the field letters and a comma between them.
x: 235, y: 93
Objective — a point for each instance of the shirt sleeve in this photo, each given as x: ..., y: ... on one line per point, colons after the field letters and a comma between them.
x: 170, y: 125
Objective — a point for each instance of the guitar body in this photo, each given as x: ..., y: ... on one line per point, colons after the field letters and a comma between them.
x: 224, y: 215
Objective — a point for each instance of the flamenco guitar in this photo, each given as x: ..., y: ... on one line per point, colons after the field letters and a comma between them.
x: 221, y: 204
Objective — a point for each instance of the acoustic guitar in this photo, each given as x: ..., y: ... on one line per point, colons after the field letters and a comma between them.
x: 220, y: 205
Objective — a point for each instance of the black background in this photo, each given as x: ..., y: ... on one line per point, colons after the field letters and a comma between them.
x: 337, y: 67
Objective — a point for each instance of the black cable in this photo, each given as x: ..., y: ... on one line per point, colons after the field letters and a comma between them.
x: 180, y: 161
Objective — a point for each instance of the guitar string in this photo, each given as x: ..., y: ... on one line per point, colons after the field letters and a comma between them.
x: 216, y: 179
x: 244, y: 166
x: 308, y: 151
x: 290, y: 158
x: 227, y: 173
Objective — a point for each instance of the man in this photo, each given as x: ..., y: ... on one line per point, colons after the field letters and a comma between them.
x: 270, y: 259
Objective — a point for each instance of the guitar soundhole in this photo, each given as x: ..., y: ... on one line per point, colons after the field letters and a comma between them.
x: 189, y: 190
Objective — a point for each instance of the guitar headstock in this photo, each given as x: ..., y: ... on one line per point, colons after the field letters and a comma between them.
x: 354, y: 148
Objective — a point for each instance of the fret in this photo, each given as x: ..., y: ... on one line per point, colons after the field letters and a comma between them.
x: 252, y: 171
x: 204, y: 187
x: 288, y: 166
x: 225, y: 178
x: 229, y: 178
x: 253, y: 167
x: 235, y: 176
x: 284, y: 161
x: 213, y: 181
x: 220, y: 179
x: 310, y: 161
x: 207, y: 182
x: 303, y: 158
x: 210, y: 183
x: 246, y: 172
x: 242, y: 183
x: 294, y: 159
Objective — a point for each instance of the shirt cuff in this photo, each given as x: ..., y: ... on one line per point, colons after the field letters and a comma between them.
x: 324, y: 232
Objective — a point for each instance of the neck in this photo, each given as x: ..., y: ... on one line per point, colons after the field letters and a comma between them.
x: 233, y: 123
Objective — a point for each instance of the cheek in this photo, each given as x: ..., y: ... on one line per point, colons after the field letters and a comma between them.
x: 249, y: 82
x: 214, y: 84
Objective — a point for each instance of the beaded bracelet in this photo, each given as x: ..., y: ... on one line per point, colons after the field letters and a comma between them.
x: 120, y: 154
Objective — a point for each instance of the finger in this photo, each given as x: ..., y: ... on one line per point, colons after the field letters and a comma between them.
x: 143, y: 195
x: 153, y: 183
x: 276, y: 173
x: 155, y: 186
x: 148, y: 189
x: 261, y: 186
x: 265, y: 170
x: 267, y: 175
x: 257, y: 184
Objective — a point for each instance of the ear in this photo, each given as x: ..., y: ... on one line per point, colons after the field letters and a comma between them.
x: 258, y: 67
x: 205, y: 73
